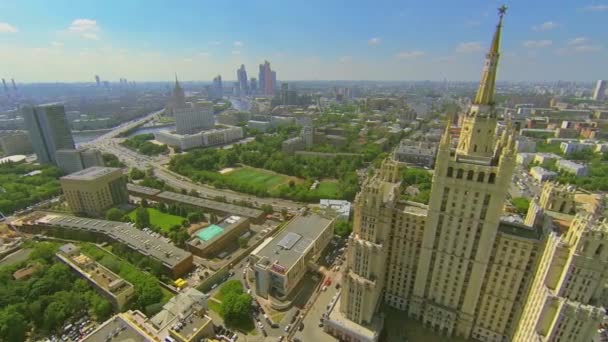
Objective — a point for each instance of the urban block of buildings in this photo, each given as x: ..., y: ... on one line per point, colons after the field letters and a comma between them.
x: 175, y: 261
x: 217, y: 238
x: 15, y: 142
x: 74, y: 160
x: 341, y: 207
x: 456, y: 266
x: 183, y: 319
x: 215, y: 136
x: 541, y: 174
x: 117, y: 290
x: 280, y: 262
x: 417, y: 153
x: 220, y: 208
x: 94, y: 190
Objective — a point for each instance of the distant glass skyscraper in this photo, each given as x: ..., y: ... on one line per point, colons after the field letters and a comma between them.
x: 48, y: 130
x: 241, y: 75
x: 253, y: 86
x: 97, y: 80
x: 268, y: 79
x: 600, y: 90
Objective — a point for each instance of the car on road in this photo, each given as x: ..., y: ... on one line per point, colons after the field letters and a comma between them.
x: 287, y: 328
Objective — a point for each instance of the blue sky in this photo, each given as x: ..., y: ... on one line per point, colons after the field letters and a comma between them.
x: 63, y: 40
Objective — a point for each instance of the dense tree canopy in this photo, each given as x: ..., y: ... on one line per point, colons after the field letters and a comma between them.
x: 142, y: 144
x: 18, y: 191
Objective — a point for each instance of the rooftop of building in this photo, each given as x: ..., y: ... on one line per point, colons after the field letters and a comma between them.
x: 337, y: 318
x: 103, y: 277
x: 293, y: 241
x: 210, y: 204
x: 209, y: 234
x: 413, y: 208
x: 182, y: 305
x: 117, y: 329
x: 139, y: 240
x: 520, y: 230
x: 91, y: 173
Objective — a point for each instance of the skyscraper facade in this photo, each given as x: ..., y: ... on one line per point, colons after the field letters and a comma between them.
x: 253, y: 85
x: 268, y: 79
x: 459, y: 269
x: 97, y: 80
x: 194, y: 117
x: 217, y: 88
x: 599, y: 93
x: 48, y: 130
x: 241, y: 75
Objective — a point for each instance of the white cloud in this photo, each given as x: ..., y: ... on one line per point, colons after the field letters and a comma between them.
x: 374, y: 41
x: 57, y: 44
x: 86, y: 28
x: 578, y: 41
x: 238, y: 44
x: 236, y: 52
x: 410, y: 54
x: 468, y: 47
x: 345, y: 59
x: 204, y: 54
x: 535, y: 44
x: 546, y: 26
x: 597, y: 8
x: 7, y: 28
x: 587, y: 48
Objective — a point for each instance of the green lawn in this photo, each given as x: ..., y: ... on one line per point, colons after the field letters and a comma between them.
x: 250, y: 175
x: 162, y: 220
x: 328, y: 189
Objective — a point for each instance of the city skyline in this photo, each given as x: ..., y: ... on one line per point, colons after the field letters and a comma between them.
x: 365, y: 41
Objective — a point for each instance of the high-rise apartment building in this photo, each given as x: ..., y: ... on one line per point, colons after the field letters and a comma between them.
x: 217, y: 89
x: 241, y: 75
x: 48, y: 130
x: 194, y: 117
x: 600, y: 90
x: 459, y: 269
x: 97, y: 81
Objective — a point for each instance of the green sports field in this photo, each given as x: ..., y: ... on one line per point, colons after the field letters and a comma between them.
x: 162, y: 220
x: 256, y: 176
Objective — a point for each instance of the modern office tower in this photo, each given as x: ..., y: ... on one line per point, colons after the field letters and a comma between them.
x: 194, y: 117
x: 284, y: 95
x: 97, y: 80
x: 236, y: 89
x: 600, y: 90
x: 217, y: 88
x: 4, y: 85
x: 262, y: 79
x: 71, y: 160
x: 177, y: 100
x: 241, y: 75
x: 48, y: 130
x: 92, y: 191
x: 454, y: 265
x: 273, y: 77
x: 253, y: 85
x: 14, y: 85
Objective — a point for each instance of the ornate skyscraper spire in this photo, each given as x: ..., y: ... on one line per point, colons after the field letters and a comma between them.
x: 485, y: 93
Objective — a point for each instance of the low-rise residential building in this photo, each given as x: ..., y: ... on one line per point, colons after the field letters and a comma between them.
x: 212, y: 240
x: 340, y: 207
x: 216, y: 136
x: 417, y: 153
x: 175, y: 261
x: 525, y: 145
x: 261, y: 126
x: 571, y: 147
x: 542, y: 174
x: 280, y: 262
x: 292, y: 145
x: 117, y: 290
x: 92, y: 191
x: 572, y: 167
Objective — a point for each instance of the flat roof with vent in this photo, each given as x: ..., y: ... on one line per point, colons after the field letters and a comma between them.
x: 294, y: 241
